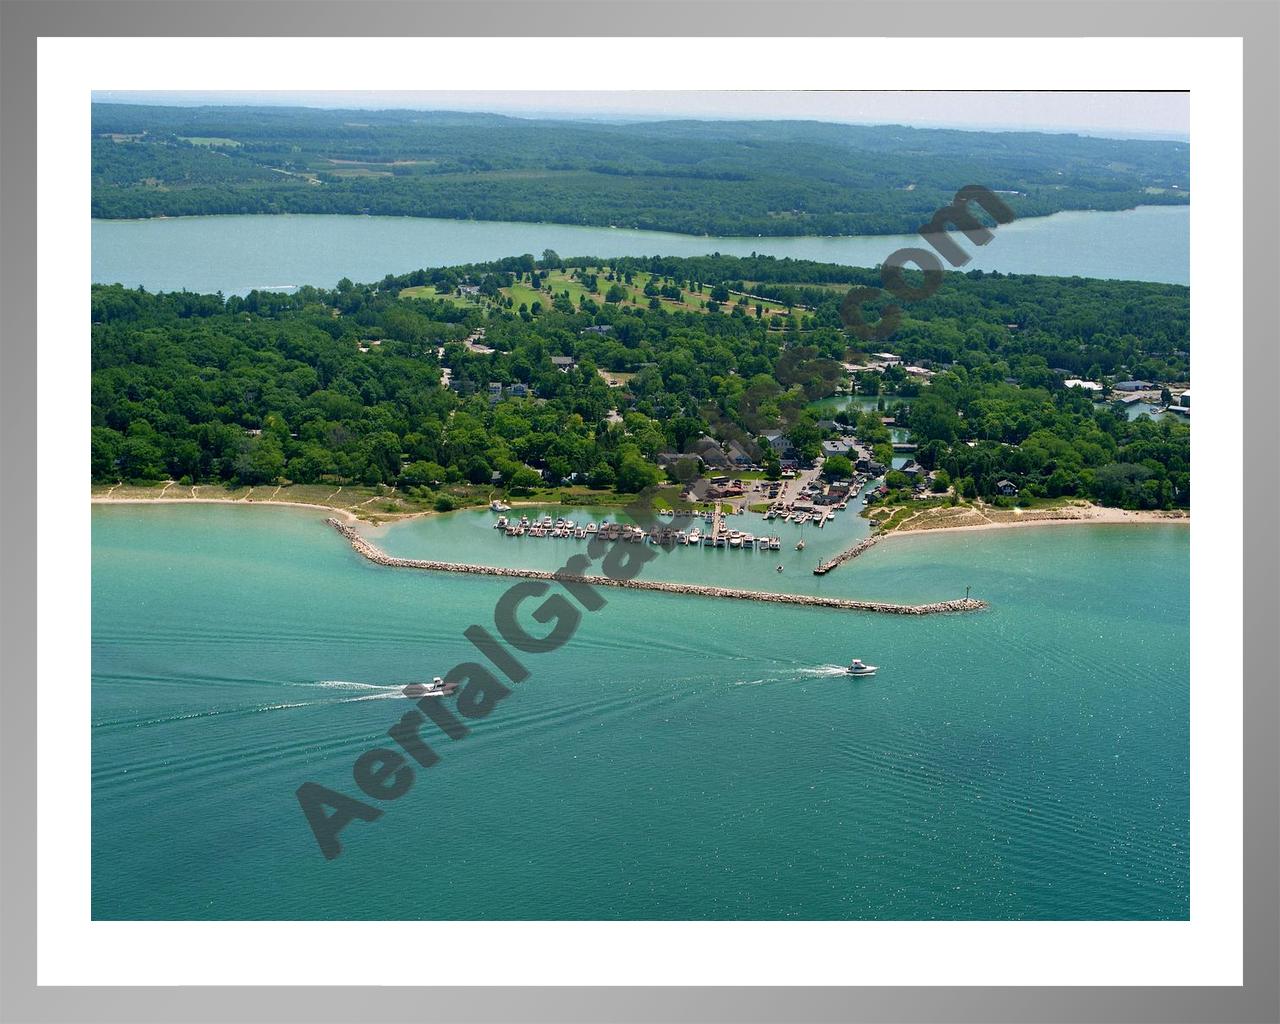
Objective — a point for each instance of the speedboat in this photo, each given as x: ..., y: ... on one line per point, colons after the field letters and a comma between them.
x: 800, y: 545
x: 858, y: 668
x: 436, y: 688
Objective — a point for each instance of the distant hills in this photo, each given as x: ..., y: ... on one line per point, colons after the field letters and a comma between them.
x: 693, y: 177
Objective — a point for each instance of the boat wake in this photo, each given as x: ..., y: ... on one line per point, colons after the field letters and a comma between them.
x: 374, y: 691
x: 824, y: 670
x: 791, y: 675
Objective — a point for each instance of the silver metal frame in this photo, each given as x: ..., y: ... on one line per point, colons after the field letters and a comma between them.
x: 23, y: 22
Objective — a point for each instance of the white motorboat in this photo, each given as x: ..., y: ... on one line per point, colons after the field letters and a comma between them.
x: 436, y: 688
x: 498, y: 506
x: 859, y: 668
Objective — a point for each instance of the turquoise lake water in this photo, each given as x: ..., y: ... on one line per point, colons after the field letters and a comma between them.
x: 235, y: 254
x: 679, y: 758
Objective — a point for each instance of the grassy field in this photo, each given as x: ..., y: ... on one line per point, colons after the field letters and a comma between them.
x: 428, y: 291
x: 559, y: 282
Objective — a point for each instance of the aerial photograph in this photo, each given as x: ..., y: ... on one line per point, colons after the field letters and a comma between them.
x: 640, y: 506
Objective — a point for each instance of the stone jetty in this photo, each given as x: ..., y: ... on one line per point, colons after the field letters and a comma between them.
x: 825, y: 567
x: 375, y: 554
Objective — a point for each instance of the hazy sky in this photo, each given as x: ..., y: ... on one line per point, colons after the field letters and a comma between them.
x: 1116, y: 114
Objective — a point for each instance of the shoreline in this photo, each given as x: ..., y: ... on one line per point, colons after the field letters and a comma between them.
x: 103, y: 499
x: 1073, y: 515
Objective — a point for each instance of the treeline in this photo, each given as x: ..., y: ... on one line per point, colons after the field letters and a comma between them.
x: 980, y: 431
x: 722, y: 178
x: 1032, y: 326
x: 345, y: 384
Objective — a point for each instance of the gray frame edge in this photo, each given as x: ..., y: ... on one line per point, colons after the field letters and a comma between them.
x: 23, y: 21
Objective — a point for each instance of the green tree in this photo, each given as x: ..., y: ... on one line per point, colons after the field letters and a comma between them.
x: 837, y: 467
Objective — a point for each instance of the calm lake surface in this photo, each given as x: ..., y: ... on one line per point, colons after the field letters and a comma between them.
x: 237, y: 254
x: 679, y: 758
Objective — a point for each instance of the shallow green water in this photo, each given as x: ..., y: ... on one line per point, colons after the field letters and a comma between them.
x: 238, y: 253
x: 678, y: 758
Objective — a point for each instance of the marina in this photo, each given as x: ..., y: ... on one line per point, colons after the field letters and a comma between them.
x: 379, y: 557
x: 717, y: 535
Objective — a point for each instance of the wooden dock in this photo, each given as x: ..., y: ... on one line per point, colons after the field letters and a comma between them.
x: 380, y: 557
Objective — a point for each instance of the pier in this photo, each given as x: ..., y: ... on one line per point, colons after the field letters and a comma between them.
x: 380, y: 557
x: 848, y: 554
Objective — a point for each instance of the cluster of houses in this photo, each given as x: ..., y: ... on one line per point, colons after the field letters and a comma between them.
x: 1131, y: 388
x: 856, y: 452
x: 731, y: 455
x: 878, y: 362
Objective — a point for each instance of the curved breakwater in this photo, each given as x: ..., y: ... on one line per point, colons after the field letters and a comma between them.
x: 380, y: 557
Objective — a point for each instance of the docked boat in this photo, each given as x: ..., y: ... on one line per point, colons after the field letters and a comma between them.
x: 498, y: 506
x: 858, y: 668
x: 501, y: 524
x: 592, y: 528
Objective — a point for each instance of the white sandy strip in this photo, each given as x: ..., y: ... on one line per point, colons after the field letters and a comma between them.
x: 105, y: 499
x: 1092, y: 515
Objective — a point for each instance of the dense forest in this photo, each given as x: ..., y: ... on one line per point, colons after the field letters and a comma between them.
x: 346, y: 385
x: 695, y: 177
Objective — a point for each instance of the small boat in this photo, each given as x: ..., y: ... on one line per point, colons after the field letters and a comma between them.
x: 591, y: 527
x: 501, y: 524
x: 498, y: 506
x: 858, y: 668
x: 779, y: 568
x: 799, y: 545
x: 436, y: 688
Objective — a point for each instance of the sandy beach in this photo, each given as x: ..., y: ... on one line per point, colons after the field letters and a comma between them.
x: 105, y: 499
x: 986, y: 517
x: 933, y: 520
